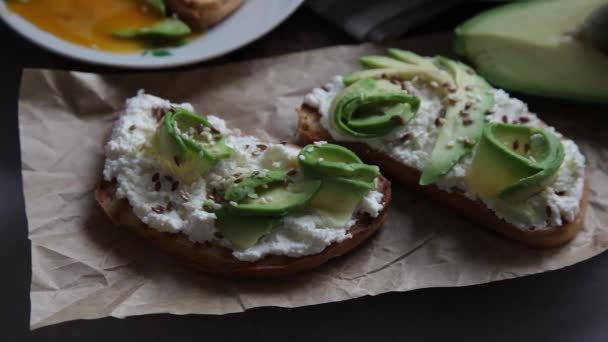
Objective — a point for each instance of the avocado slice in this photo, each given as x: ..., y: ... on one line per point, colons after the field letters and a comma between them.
x: 332, y: 161
x: 402, y: 73
x: 337, y: 200
x: 186, y: 154
x: 276, y: 200
x: 244, y: 232
x: 374, y: 62
x: 509, y: 43
x: 238, y: 191
x: 463, y: 122
x: 158, y: 6
x: 371, y: 108
x: 514, y: 162
x: 168, y: 29
x: 410, y: 57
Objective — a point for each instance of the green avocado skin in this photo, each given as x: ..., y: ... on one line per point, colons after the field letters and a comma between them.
x: 508, y: 45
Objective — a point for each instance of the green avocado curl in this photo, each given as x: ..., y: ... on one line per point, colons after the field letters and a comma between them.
x: 371, y: 108
x: 188, y: 145
x: 514, y: 162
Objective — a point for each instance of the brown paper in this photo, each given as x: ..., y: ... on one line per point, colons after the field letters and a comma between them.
x: 83, y: 267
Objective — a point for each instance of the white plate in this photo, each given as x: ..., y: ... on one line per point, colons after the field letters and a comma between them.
x: 251, y: 21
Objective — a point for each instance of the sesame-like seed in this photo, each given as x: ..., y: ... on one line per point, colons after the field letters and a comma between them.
x: 155, y: 177
x: 301, y: 157
x: 415, y: 78
x: 159, y: 209
x: 131, y: 128
x: 262, y: 147
x: 505, y: 119
x: 406, y: 137
x: 548, y: 211
x: 184, y: 196
x: 233, y: 203
x: 524, y: 119
x: 398, y: 119
x: 157, y: 186
x: 174, y: 186
x: 516, y: 144
x: 211, y: 196
x: 434, y: 84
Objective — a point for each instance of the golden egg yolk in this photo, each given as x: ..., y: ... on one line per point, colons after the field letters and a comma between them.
x: 89, y: 22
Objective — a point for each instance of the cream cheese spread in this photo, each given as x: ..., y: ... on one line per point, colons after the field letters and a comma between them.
x: 161, y: 202
x: 412, y: 144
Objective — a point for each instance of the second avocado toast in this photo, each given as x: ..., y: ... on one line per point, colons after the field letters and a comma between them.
x: 436, y: 126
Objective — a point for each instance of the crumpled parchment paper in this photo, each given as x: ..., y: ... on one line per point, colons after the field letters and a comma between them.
x: 84, y: 267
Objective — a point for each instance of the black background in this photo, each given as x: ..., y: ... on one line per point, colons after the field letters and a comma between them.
x: 566, y: 305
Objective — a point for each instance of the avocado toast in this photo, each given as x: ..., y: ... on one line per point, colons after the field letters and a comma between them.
x: 232, y: 204
x: 436, y: 126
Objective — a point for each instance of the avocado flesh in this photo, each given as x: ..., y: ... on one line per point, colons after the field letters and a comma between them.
x: 337, y: 201
x: 410, y: 57
x: 332, y: 161
x: 249, y: 184
x: 276, y: 200
x: 370, y: 107
x: 244, y: 232
x: 374, y: 62
x: 514, y: 162
x: 405, y: 73
x: 456, y: 138
x: 531, y: 47
x: 185, y: 156
x: 167, y: 29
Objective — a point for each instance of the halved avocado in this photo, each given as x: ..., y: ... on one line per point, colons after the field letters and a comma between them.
x: 331, y: 161
x: 243, y: 232
x: 534, y: 47
x: 371, y: 108
x: 514, y: 162
x: 337, y: 200
x: 276, y: 199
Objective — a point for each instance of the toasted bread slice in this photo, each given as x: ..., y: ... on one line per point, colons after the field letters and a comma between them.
x: 202, y: 14
x: 219, y: 260
x: 310, y: 130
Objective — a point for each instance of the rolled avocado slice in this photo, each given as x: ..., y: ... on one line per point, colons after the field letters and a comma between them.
x: 276, y: 199
x: 331, y: 161
x: 244, y: 232
x: 337, y: 200
x: 514, y: 162
x: 463, y: 121
x: 507, y: 44
x: 371, y: 108
x: 188, y: 145
x: 165, y: 30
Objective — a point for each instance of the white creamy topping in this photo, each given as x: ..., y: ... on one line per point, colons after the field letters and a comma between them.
x: 178, y: 208
x: 413, y: 143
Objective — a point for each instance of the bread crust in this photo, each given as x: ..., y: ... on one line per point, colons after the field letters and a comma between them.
x: 219, y: 260
x: 310, y: 130
x: 202, y: 14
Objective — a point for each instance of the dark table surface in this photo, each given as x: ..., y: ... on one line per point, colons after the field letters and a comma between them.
x: 566, y: 305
